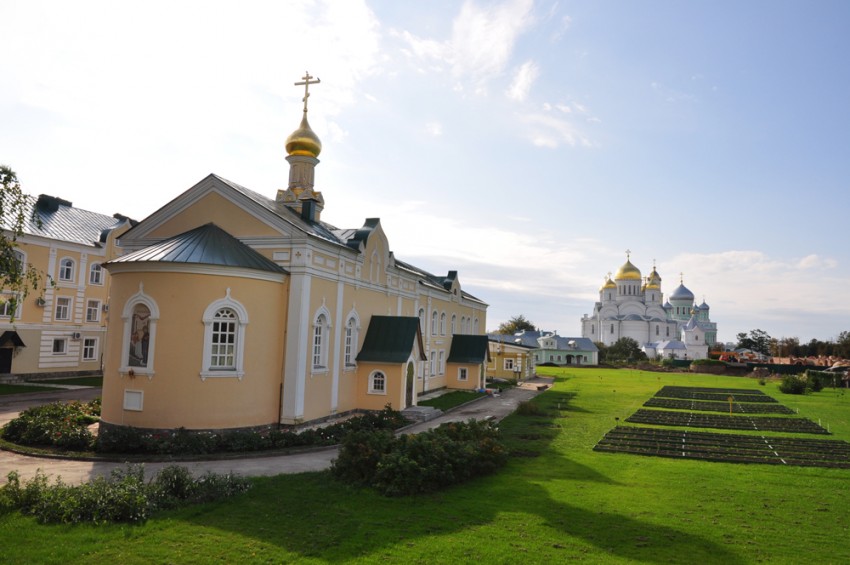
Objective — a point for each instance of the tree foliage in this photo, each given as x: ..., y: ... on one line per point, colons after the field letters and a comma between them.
x: 624, y: 349
x: 16, y: 209
x: 757, y: 340
x: 516, y: 324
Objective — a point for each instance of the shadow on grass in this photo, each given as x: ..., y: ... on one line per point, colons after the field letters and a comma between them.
x: 313, y: 516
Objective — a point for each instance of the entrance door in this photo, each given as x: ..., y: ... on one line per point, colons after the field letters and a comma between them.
x: 6, y: 360
x: 411, y: 379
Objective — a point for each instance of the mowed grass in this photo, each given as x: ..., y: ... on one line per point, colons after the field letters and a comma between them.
x: 556, y: 501
x: 23, y: 389
x: 76, y: 381
x: 451, y: 399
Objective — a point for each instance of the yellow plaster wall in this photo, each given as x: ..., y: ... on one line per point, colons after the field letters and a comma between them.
x: 214, y: 208
x: 394, y: 390
x: 176, y: 395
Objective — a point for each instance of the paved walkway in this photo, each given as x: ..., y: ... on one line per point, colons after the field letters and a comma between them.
x: 74, y: 471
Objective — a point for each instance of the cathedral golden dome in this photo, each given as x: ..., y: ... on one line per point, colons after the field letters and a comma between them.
x: 304, y: 140
x: 608, y: 283
x: 628, y: 272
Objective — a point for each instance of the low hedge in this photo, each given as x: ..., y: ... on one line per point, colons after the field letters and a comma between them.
x: 420, y: 463
x: 122, y: 497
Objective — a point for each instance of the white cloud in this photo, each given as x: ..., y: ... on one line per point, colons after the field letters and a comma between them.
x: 434, y: 128
x: 546, y: 130
x: 481, y: 44
x: 523, y: 80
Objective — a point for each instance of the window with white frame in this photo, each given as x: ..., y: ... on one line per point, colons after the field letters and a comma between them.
x: 475, y: 326
x: 60, y: 346
x: 461, y: 374
x: 90, y: 349
x: 66, y: 269
x: 225, y: 321
x: 463, y: 324
x: 443, y: 323
x: 96, y: 274
x: 454, y: 324
x: 140, y: 314
x: 350, y: 341
x: 509, y: 364
x: 442, y: 365
x: 321, y: 331
x: 223, y: 340
x: 93, y: 311
x: 140, y: 336
x: 63, y: 308
x: 422, y: 326
x: 433, y: 361
x: 10, y: 304
x: 377, y: 383
x: 434, y: 322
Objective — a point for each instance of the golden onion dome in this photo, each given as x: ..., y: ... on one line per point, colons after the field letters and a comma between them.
x: 628, y: 272
x: 304, y: 140
x: 608, y: 284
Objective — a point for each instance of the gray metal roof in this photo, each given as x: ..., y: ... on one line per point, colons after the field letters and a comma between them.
x: 57, y: 219
x: 204, y: 245
x: 531, y: 339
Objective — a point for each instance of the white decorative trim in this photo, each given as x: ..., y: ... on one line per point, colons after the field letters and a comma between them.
x: 242, y: 321
x: 127, y: 315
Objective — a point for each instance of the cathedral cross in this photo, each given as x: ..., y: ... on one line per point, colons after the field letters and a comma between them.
x: 306, y: 81
x: 628, y: 254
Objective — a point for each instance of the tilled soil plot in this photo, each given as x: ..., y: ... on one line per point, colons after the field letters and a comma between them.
x: 714, y: 406
x: 725, y: 422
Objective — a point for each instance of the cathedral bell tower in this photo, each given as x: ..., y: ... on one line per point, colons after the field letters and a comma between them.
x: 303, y: 147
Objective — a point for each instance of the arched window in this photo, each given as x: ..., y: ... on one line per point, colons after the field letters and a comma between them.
x: 463, y: 324
x: 224, y: 338
x: 668, y: 331
x: 66, y: 269
x: 475, y: 327
x: 140, y: 317
x: 96, y: 274
x: 434, y: 322
x: 657, y: 329
x: 350, y: 345
x: 612, y: 328
x: 422, y: 327
x: 592, y: 329
x: 443, y: 323
x: 319, y: 338
x: 454, y: 324
x: 377, y: 383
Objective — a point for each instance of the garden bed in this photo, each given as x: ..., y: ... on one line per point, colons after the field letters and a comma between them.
x: 730, y: 448
x: 717, y: 406
x: 717, y: 421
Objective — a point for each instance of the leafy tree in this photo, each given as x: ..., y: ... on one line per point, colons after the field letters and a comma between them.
x: 16, y: 208
x: 757, y: 340
x: 625, y: 349
x: 515, y: 324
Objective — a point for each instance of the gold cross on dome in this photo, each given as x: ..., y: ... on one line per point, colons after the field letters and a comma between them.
x: 628, y: 254
x: 306, y: 81
x: 682, y: 278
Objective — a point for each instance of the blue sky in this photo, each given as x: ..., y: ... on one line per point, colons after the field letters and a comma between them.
x: 525, y: 144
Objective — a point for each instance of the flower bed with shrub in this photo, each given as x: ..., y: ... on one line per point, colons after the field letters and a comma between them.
x: 122, y: 497
x: 421, y: 463
x: 65, y: 426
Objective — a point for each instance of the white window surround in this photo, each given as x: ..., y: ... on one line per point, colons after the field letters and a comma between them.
x: 351, y: 338
x: 62, y: 311
x: 442, y: 364
x: 434, y: 322
x: 509, y: 364
x: 378, y: 383
x: 454, y: 324
x: 127, y: 315
x: 462, y: 374
x: 60, y: 346
x: 96, y: 274
x: 238, y: 370
x: 443, y: 323
x: 93, y: 310
x: 321, y: 340
x: 66, y: 269
x: 90, y: 349
x: 5, y: 310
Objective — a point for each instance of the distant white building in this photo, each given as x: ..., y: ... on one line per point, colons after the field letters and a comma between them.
x: 633, y: 306
x: 549, y: 347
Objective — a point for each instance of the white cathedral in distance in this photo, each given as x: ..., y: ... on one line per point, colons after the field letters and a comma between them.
x: 632, y: 306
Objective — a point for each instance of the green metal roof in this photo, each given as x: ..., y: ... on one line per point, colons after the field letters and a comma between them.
x: 469, y: 349
x: 204, y: 245
x: 391, y: 339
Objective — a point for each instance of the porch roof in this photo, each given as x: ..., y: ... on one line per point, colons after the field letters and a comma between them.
x: 469, y: 349
x: 391, y: 339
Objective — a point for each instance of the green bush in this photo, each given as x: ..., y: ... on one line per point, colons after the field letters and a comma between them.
x: 529, y: 408
x: 123, y: 497
x: 414, y: 464
x: 792, y: 384
x: 58, y: 424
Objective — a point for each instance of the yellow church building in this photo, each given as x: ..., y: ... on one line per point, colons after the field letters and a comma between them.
x: 230, y: 309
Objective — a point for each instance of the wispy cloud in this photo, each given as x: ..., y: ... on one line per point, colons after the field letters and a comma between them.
x: 481, y: 44
x: 523, y: 80
x: 434, y: 128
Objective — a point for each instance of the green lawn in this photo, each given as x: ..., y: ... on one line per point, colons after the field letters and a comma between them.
x: 76, y: 381
x: 451, y: 399
x: 20, y: 389
x: 556, y: 501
